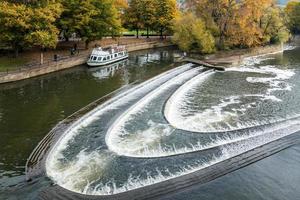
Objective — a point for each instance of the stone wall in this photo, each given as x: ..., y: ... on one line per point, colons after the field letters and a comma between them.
x: 68, y: 63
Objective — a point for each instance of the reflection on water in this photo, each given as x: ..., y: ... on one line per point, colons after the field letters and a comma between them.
x: 109, y: 70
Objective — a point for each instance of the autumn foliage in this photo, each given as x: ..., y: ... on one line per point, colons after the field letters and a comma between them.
x: 200, y: 25
x: 242, y: 24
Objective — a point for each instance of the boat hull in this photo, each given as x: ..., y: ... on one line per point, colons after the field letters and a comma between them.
x: 97, y: 64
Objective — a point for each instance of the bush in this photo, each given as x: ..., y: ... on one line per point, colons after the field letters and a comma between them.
x: 191, y: 34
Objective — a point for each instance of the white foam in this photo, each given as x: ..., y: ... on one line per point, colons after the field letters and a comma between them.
x: 122, y: 142
x: 215, y: 119
x: 135, y: 182
x: 275, y: 80
x: 228, y: 151
x: 80, y: 172
x: 290, y: 47
x: 113, y: 103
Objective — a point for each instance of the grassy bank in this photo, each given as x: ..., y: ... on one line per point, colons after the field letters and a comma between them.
x: 9, y: 64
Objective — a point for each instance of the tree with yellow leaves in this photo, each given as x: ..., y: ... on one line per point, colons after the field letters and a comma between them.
x: 191, y: 34
x: 166, y: 11
x: 26, y: 25
x: 292, y: 11
x: 244, y: 23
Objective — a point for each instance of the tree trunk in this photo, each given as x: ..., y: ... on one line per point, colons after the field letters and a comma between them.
x: 161, y: 34
x: 87, y: 44
x: 137, y: 33
x: 147, y: 32
x: 42, y: 57
x: 16, y: 52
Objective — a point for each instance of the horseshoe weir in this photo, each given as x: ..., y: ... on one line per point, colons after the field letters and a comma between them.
x: 186, y: 126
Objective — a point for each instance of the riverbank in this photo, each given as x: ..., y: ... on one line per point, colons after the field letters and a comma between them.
x: 235, y: 57
x: 23, y: 73
x: 220, y: 59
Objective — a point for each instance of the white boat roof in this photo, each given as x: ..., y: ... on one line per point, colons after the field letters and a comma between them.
x: 100, y: 52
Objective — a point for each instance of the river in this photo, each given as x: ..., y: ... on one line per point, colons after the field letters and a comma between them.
x: 266, y: 90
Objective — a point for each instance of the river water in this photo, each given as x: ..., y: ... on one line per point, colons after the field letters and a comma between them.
x: 147, y: 138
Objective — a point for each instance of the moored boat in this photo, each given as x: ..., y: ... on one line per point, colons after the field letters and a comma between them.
x: 104, y: 56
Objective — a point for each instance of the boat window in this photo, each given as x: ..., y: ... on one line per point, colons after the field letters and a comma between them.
x: 116, y: 55
x: 99, y: 58
x: 95, y: 58
x: 91, y: 58
x: 108, y: 57
x: 104, y: 58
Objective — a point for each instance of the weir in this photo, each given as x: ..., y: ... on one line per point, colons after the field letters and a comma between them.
x: 167, y: 188
x: 156, y: 138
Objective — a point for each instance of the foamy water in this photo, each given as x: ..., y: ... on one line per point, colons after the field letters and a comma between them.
x: 123, y: 142
x: 157, y: 124
x: 217, y: 118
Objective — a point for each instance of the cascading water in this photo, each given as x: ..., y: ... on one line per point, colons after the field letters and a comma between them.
x: 182, y: 121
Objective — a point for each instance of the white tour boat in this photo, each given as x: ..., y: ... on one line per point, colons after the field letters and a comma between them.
x: 105, y: 56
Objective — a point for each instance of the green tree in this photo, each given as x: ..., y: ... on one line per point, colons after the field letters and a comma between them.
x: 274, y: 29
x: 292, y: 11
x: 191, y: 34
x: 133, y: 17
x: 99, y: 19
x: 90, y: 19
x: 148, y: 11
x: 166, y: 11
x: 28, y: 25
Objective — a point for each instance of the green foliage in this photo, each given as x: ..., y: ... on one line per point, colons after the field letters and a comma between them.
x: 166, y: 12
x: 133, y: 16
x: 90, y: 19
x: 25, y: 25
x: 190, y: 34
x: 273, y: 26
x: 154, y: 14
x: 292, y: 11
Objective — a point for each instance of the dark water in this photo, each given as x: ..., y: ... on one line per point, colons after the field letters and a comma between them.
x: 28, y: 111
x: 31, y: 108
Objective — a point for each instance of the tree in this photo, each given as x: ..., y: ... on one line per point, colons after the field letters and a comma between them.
x: 133, y: 17
x: 244, y: 23
x: 258, y: 23
x: 166, y: 12
x: 274, y: 29
x: 190, y: 34
x: 99, y: 19
x: 292, y: 11
x: 218, y: 15
x: 90, y: 19
x: 148, y: 11
x: 28, y: 24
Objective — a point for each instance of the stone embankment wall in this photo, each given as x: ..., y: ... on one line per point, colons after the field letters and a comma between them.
x: 27, y: 73
x: 236, y: 57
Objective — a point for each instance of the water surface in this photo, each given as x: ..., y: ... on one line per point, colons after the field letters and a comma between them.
x: 265, y: 91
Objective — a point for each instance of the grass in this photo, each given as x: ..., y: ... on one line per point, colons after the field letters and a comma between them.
x: 9, y: 64
x: 140, y: 32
